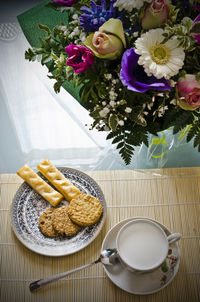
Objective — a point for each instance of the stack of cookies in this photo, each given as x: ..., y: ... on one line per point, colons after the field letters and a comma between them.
x: 83, y: 209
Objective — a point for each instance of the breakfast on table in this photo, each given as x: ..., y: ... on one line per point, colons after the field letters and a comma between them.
x: 83, y: 209
x: 144, y: 248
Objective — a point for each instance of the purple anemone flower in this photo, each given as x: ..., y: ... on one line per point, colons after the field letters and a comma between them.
x: 93, y: 17
x: 197, y: 36
x: 134, y: 77
x: 197, y: 7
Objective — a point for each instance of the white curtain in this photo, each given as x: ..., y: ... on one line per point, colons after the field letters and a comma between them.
x: 36, y: 123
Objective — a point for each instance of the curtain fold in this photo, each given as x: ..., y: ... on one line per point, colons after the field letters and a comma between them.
x: 40, y: 123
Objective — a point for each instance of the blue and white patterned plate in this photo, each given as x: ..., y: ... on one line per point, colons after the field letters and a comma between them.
x: 28, y: 205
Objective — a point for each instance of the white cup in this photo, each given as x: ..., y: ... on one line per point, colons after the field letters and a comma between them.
x: 142, y: 245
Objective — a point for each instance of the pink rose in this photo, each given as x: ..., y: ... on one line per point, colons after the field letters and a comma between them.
x: 105, y: 43
x: 109, y: 41
x: 81, y: 58
x: 188, y: 92
x: 155, y: 14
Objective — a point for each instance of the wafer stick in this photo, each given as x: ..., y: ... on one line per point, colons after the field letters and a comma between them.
x: 39, y: 185
x: 58, y: 180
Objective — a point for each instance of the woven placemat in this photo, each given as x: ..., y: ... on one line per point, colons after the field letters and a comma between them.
x: 170, y: 196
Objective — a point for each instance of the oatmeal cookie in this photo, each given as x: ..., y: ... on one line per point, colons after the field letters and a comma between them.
x: 62, y: 223
x: 85, y: 210
x: 45, y: 223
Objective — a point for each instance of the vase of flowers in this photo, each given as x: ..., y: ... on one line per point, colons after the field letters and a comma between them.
x: 135, y: 63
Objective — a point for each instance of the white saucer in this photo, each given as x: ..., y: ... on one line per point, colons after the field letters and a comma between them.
x: 141, y: 283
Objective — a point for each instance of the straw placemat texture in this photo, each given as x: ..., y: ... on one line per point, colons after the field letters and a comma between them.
x: 171, y: 196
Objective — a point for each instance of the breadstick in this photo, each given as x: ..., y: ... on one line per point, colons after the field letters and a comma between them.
x: 58, y: 180
x: 39, y: 185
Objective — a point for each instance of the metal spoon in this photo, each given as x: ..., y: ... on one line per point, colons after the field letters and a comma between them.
x: 108, y: 256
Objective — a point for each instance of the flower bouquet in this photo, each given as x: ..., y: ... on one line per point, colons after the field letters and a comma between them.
x: 135, y: 63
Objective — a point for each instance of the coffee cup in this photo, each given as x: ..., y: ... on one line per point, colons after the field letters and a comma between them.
x: 142, y: 244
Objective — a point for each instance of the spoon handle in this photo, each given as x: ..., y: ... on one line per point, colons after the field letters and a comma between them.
x: 42, y: 282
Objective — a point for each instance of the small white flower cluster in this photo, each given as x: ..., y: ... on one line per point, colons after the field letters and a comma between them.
x: 130, y: 4
x: 64, y: 29
x: 121, y: 123
x: 112, y: 93
x: 104, y: 112
x: 141, y: 118
x: 108, y: 76
x: 149, y: 105
x: 76, y: 33
x: 161, y: 111
x: 128, y: 110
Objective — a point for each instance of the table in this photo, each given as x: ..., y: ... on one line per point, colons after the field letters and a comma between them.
x: 171, y: 196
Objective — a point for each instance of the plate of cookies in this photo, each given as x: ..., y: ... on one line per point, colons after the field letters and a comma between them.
x: 57, y: 211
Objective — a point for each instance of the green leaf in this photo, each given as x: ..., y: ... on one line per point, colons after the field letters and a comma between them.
x: 197, y: 140
x: 117, y: 139
x: 129, y: 147
x: 45, y: 44
x: 51, y: 66
x: 45, y: 28
x: 53, y: 44
x: 191, y: 134
x: 113, y: 121
x: 126, y: 155
x: 57, y: 86
x: 196, y: 28
x: 30, y: 55
x: 120, y: 145
x: 46, y: 58
x: 182, y: 121
x: 95, y: 113
x: 184, y: 132
x: 63, y: 9
x: 113, y: 134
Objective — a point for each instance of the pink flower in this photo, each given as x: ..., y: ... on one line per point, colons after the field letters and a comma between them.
x: 108, y: 41
x: 155, y: 14
x: 188, y: 92
x: 81, y: 58
x: 105, y: 43
x: 65, y: 2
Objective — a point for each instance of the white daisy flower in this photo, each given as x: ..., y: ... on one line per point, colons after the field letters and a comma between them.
x: 157, y: 58
x: 130, y: 4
